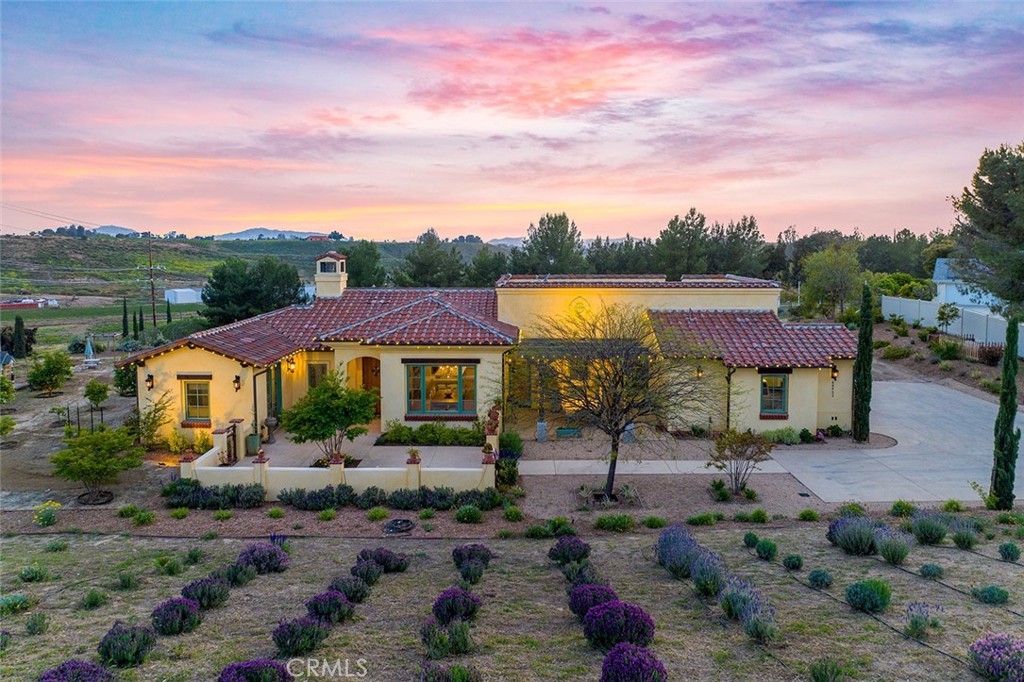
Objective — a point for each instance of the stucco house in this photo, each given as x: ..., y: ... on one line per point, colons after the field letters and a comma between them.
x: 443, y: 354
x: 951, y: 288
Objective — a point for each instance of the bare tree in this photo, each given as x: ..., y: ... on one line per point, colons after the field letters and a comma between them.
x: 738, y: 454
x: 606, y: 370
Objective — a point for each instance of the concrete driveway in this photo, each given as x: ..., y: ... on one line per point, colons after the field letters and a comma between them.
x: 944, y: 441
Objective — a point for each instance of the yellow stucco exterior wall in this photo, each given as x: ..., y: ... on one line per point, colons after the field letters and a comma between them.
x: 525, y: 307
x: 814, y: 400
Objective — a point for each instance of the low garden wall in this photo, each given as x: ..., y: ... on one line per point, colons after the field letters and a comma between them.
x: 412, y: 476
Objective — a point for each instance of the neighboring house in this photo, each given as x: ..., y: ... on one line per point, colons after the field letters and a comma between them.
x: 951, y: 288
x: 175, y: 296
x: 6, y: 364
x: 317, y: 238
x: 441, y: 354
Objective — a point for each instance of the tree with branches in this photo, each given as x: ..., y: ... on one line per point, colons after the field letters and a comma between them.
x: 604, y: 367
x: 330, y: 413
x: 738, y: 453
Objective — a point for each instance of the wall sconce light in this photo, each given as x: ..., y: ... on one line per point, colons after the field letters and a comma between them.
x: 835, y: 372
x: 237, y: 382
x: 291, y: 365
x: 149, y: 382
x: 700, y: 372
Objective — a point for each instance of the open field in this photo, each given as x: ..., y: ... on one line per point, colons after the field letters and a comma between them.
x: 524, y: 630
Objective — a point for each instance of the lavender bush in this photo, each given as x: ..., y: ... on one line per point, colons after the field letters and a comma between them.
x: 126, y: 646
x: 355, y: 589
x: 265, y: 557
x: 892, y: 545
x: 176, y: 615
x: 455, y: 603
x: 676, y: 551
x: 919, y: 619
x: 735, y: 594
x: 388, y: 560
x: 464, y: 553
x: 207, y: 592
x: 584, y: 597
x: 367, y: 570
x: 630, y: 663
x: 758, y: 619
x: 299, y: 636
x: 929, y: 527
x: 854, y: 534
x: 569, y: 549
x: 605, y: 625
x: 330, y: 607
x: 258, y: 670
x: 236, y: 574
x: 999, y: 657
x: 77, y: 671
x: 708, y: 573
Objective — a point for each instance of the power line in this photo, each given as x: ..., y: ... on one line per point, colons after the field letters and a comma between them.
x: 43, y: 214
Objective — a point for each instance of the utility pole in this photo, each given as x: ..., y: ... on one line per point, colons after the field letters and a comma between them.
x: 152, y: 285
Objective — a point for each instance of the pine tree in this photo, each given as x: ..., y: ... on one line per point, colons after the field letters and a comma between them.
x: 19, y: 343
x: 862, y: 368
x: 142, y: 320
x: 1007, y: 441
x: 168, y: 312
x: 124, y: 318
x: 135, y: 325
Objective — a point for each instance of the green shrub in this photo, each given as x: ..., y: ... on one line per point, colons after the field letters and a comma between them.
x: 209, y: 535
x: 537, y: 532
x: 167, y: 565
x: 819, y: 579
x: 505, y: 534
x: 93, y: 599
x: 1009, y: 551
x: 953, y: 506
x: 793, y: 562
x: 510, y: 443
x: 469, y: 513
x: 932, y: 571
x: 275, y: 513
x: 705, y: 519
x: 766, y: 550
x: 750, y: 494
x: 222, y: 515
x: 947, y: 349
x: 750, y: 540
x: 194, y: 556
x: 759, y: 516
x: 808, y: 515
x: 784, y: 436
x: 34, y: 574
x: 654, y: 522
x: 827, y: 670
x: 126, y: 581
x: 179, y: 513
x: 893, y: 547
x: 126, y: 646
x: 964, y: 538
x: 851, y: 509
x: 880, y: 343
x: 616, y: 523
x: 902, y: 509
x: 128, y: 511
x: 513, y: 514
x: 896, y: 352
x: 328, y: 515
x: 143, y: 517
x: 37, y: 624
x: 928, y: 528
x: 806, y: 436
x: 990, y: 594
x: 721, y: 494
x: 870, y: 596
x: 426, y: 514
x: 57, y: 546
x: 375, y: 514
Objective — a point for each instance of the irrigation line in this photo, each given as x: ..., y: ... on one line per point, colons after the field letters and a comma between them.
x: 971, y: 551
x: 945, y: 584
x: 878, y: 619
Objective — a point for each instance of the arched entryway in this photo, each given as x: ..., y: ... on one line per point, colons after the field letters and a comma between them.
x: 364, y: 372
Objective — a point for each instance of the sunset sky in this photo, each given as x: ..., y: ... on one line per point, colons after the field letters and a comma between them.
x: 381, y: 120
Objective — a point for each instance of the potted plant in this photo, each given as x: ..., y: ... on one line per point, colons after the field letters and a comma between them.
x: 252, y: 441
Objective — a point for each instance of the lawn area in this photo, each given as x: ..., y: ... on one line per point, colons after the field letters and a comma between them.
x: 524, y: 630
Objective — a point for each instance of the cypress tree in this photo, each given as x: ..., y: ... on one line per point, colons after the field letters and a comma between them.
x: 124, y: 318
x: 142, y: 320
x: 19, y: 343
x: 135, y: 325
x: 862, y: 368
x: 168, y: 312
x: 1007, y: 440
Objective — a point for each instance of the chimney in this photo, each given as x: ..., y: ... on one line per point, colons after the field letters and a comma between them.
x: 331, y: 276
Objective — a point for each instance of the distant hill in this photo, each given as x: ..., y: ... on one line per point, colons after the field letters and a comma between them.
x: 114, y: 230
x: 507, y: 242
x: 265, y: 233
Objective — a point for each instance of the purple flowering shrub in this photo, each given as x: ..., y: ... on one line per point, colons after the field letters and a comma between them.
x: 176, y: 615
x: 605, y: 625
x: 569, y: 549
x: 631, y: 663
x: 265, y: 557
x: 299, y: 636
x: 330, y: 606
x: 126, y: 646
x: 735, y: 594
x: 207, y: 592
x: 758, y: 619
x: 388, y: 560
x: 258, y: 670
x: 455, y: 603
x: 77, y: 671
x: 478, y: 552
x: 367, y: 570
x: 456, y: 672
x: 676, y: 551
x: 585, y: 597
x: 355, y: 589
x: 707, y: 573
x: 854, y: 534
x: 235, y: 574
x: 999, y: 657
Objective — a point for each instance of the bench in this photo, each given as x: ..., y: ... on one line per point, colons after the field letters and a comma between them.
x: 569, y: 432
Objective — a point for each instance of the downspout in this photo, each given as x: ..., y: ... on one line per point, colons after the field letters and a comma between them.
x: 728, y: 396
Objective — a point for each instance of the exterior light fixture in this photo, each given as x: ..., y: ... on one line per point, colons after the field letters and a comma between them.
x: 700, y: 372
x: 149, y: 382
x: 835, y: 372
x: 237, y: 382
x: 291, y: 365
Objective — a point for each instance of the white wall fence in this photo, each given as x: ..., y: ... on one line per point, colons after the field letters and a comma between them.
x: 979, y: 325
x: 207, y: 470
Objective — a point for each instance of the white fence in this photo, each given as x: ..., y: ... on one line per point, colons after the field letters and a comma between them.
x: 979, y: 325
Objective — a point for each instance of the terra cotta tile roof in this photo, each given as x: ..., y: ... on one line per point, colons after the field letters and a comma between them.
x: 632, y: 282
x: 751, y: 338
x: 418, y: 317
